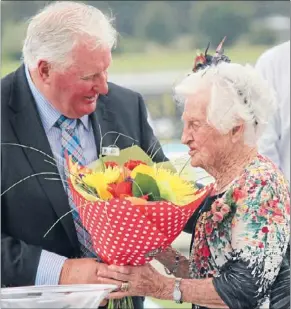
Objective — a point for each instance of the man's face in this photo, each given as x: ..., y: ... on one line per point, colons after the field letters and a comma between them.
x: 207, y: 145
x: 75, y: 91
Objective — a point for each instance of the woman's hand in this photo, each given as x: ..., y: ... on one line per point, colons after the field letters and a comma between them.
x: 142, y: 281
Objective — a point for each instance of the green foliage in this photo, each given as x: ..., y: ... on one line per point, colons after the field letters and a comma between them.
x: 261, y: 36
x: 219, y: 19
x: 145, y: 184
x: 12, y: 45
x: 144, y: 25
x: 157, y: 22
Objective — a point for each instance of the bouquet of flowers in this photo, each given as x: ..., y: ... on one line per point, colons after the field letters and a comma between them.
x: 132, y: 207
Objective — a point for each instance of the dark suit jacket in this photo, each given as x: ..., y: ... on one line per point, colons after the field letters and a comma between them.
x: 31, y: 207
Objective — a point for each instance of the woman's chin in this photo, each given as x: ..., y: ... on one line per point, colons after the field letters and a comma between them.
x: 195, y: 162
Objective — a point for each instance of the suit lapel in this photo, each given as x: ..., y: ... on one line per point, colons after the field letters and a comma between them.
x: 102, y: 123
x: 30, y: 132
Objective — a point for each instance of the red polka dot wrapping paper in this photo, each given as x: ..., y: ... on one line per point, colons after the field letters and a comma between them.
x: 126, y: 234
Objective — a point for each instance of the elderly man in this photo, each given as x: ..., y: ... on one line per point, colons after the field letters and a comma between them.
x: 241, y: 231
x: 274, y: 65
x: 58, y: 100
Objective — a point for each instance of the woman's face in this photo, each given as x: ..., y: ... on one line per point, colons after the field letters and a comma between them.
x: 208, y: 147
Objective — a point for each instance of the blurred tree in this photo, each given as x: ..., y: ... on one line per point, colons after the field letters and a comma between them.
x: 12, y: 48
x: 157, y: 22
x: 262, y: 36
x: 267, y: 8
x: 211, y: 21
x: 163, y: 22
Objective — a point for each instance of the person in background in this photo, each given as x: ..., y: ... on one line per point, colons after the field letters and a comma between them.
x: 59, y: 100
x: 274, y: 65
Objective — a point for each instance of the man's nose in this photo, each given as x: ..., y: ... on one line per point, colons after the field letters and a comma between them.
x: 101, y: 85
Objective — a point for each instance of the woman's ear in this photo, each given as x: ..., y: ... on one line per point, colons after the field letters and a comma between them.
x: 237, y: 132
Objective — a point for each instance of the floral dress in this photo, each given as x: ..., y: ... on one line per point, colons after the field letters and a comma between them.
x: 240, y: 238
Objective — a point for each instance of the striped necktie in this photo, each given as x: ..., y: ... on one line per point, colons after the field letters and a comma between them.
x: 71, y: 144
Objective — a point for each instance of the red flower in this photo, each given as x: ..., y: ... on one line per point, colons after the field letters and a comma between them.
x: 238, y: 194
x: 121, y: 189
x: 110, y: 164
x: 205, y: 251
x: 288, y: 208
x: 265, y: 229
x: 145, y: 197
x: 131, y: 164
x: 261, y: 245
x: 217, y: 217
x: 208, y: 228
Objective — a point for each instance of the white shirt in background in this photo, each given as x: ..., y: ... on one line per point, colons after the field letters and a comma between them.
x: 274, y: 64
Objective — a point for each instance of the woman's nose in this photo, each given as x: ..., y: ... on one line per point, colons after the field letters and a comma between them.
x: 185, y: 138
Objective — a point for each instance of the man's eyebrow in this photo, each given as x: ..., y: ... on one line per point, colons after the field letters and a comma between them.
x: 89, y: 75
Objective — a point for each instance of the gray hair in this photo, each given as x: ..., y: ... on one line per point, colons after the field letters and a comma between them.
x: 57, y: 28
x: 237, y: 93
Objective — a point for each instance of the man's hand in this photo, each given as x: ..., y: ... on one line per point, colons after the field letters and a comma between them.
x: 82, y: 271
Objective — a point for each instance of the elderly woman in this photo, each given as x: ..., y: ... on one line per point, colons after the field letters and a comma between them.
x: 241, y: 232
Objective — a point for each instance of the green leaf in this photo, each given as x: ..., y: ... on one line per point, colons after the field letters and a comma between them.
x: 166, y: 191
x: 145, y: 184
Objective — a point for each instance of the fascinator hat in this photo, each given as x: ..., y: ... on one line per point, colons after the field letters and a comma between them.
x: 204, y: 60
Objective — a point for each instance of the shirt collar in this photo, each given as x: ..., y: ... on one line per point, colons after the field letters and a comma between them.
x: 48, y: 113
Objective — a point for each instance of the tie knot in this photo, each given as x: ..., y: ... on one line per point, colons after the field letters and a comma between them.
x: 66, y: 123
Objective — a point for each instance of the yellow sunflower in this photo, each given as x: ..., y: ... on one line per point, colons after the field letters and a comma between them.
x: 171, y: 186
x: 101, y: 180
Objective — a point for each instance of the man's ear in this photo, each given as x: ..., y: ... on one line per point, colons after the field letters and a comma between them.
x: 44, y: 71
x: 237, y: 132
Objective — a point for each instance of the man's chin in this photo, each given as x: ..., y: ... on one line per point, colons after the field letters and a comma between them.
x: 89, y: 109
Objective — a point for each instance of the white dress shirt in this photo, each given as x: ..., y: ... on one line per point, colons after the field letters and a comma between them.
x: 274, y: 64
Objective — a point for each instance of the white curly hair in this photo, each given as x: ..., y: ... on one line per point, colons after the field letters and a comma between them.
x: 237, y: 93
x: 58, y: 27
